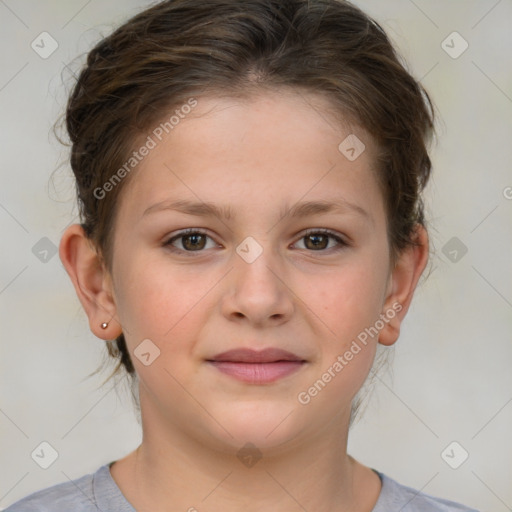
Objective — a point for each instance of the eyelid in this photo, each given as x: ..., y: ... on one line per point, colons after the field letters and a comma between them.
x: 325, y: 231
x: 183, y: 233
x: 340, y: 239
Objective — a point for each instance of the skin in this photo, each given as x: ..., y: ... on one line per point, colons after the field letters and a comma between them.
x: 259, y: 157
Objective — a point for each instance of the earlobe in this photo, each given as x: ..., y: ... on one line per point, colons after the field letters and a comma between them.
x: 90, y: 279
x: 402, y: 284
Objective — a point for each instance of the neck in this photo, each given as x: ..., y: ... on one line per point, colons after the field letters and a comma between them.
x: 171, y: 470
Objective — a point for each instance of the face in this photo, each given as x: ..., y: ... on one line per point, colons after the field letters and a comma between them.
x: 261, y: 273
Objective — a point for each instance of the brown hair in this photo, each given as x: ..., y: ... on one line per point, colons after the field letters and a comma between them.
x: 181, y: 48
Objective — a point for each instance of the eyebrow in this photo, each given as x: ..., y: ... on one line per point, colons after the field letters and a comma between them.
x: 302, y: 209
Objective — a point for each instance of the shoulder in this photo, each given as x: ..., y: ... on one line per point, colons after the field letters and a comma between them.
x: 73, y: 495
x: 395, y: 496
x: 93, y: 492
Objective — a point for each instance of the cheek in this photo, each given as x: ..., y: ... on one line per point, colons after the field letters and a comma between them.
x: 350, y: 308
x: 351, y: 297
x: 150, y: 298
x: 349, y: 304
x: 165, y: 303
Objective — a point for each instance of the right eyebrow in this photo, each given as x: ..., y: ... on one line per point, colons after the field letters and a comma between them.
x: 200, y: 209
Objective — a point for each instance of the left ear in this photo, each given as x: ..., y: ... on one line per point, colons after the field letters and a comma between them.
x: 402, y: 284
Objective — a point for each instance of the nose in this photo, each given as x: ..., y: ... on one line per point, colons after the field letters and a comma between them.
x: 257, y: 291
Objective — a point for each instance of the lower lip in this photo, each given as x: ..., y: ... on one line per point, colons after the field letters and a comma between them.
x: 258, y: 373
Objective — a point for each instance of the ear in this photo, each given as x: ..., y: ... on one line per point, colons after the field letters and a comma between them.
x: 91, y: 281
x: 402, y: 284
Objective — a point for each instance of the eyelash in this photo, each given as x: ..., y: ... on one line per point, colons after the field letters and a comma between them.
x: 193, y: 231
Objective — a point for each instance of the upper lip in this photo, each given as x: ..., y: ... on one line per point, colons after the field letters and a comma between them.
x: 245, y: 355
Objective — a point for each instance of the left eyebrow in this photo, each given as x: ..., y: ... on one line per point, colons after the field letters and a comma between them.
x: 302, y: 209
x: 307, y: 208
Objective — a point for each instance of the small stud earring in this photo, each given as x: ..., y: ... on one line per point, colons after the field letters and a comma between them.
x: 104, y: 325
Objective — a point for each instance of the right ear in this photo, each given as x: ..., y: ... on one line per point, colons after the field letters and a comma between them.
x: 91, y: 280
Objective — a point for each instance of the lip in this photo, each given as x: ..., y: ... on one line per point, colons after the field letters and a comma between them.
x: 257, y: 367
x: 246, y: 355
x: 258, y: 373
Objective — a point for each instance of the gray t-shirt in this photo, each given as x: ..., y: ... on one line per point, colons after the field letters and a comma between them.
x: 98, y: 492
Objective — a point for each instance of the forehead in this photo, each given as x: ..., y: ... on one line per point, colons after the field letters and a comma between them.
x: 272, y: 149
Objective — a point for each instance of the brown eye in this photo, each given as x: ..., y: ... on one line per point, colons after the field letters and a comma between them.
x: 319, y: 240
x: 193, y: 242
x: 188, y: 241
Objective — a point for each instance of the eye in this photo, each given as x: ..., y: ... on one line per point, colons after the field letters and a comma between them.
x: 190, y: 240
x: 318, y: 240
x: 195, y: 240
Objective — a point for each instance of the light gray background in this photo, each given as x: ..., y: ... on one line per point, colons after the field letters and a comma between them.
x: 452, y: 371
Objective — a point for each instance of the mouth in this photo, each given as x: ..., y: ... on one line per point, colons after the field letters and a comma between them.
x: 257, y: 367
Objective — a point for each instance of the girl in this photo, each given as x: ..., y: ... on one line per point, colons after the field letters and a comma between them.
x: 249, y: 177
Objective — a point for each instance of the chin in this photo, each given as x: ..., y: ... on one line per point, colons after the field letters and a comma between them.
x: 268, y: 426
